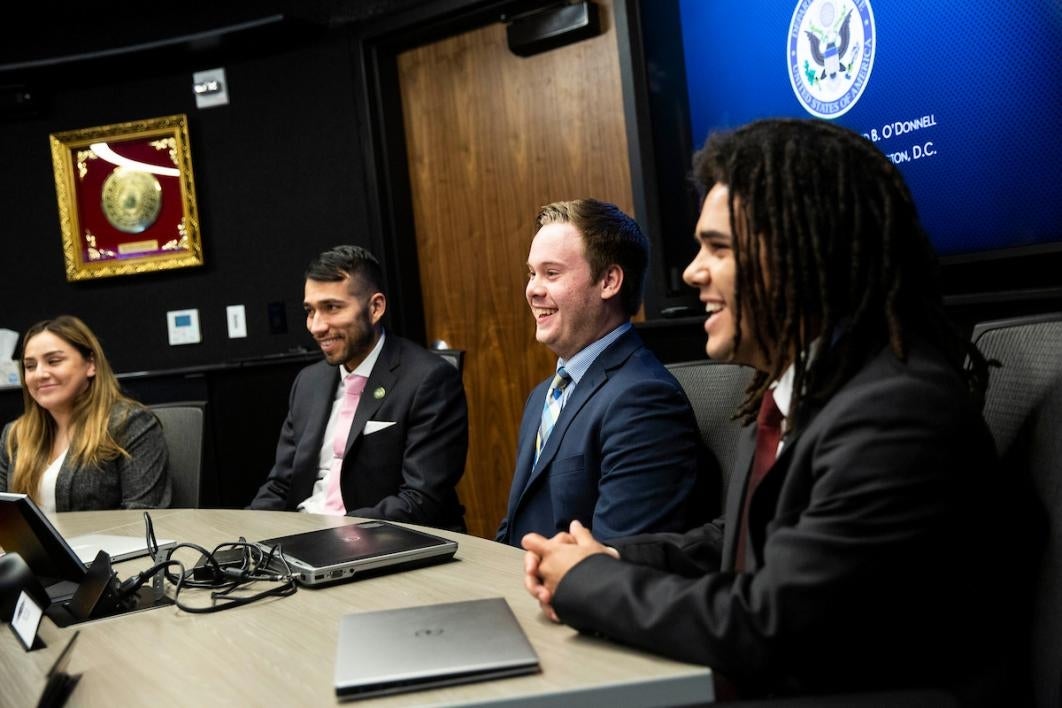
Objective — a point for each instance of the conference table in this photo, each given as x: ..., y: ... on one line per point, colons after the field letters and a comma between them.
x: 281, y: 650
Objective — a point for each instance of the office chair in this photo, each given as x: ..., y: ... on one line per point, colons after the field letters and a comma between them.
x: 715, y: 391
x: 1023, y: 409
x: 454, y: 356
x: 184, y: 426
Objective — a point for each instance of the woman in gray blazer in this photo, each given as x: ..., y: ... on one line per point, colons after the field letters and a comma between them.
x: 80, y: 444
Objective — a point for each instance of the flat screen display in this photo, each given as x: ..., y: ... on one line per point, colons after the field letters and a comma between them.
x: 964, y: 96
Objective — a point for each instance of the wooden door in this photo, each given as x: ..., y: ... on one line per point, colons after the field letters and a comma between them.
x: 491, y: 137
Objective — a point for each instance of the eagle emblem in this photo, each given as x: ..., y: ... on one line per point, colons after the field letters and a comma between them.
x: 831, y: 53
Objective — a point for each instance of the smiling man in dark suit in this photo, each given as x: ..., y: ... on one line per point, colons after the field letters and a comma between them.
x: 863, y: 520
x: 610, y: 439
x: 379, y: 429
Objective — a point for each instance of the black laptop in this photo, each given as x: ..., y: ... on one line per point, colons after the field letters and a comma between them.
x: 343, y: 552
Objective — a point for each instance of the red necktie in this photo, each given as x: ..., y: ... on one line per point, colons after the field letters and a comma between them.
x: 353, y: 385
x: 768, y: 435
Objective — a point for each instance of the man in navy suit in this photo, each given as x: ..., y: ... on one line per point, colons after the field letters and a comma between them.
x: 865, y: 518
x: 397, y: 449
x: 621, y: 452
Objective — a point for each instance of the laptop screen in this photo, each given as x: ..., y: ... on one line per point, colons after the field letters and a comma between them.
x: 25, y: 530
x: 343, y: 544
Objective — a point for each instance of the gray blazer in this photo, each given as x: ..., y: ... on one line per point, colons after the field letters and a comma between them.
x: 139, y: 481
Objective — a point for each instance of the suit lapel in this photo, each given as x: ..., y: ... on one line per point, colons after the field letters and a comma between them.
x: 525, y: 451
x: 765, y: 497
x: 316, y: 397
x: 380, y: 384
x: 322, y: 393
x: 596, y: 376
x: 735, y: 493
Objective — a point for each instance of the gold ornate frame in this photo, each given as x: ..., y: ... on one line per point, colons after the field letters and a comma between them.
x: 126, y: 198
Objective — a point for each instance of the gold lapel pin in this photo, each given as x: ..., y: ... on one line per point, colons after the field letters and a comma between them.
x: 379, y: 393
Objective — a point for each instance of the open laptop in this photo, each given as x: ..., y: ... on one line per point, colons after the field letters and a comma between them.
x: 339, y: 553
x: 413, y: 648
x: 119, y: 548
x: 24, y: 529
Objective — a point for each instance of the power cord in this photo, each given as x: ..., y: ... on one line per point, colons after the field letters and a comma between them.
x: 225, y: 570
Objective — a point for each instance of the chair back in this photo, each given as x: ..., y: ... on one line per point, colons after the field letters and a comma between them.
x: 1023, y: 408
x: 183, y: 427
x: 715, y: 391
x: 454, y: 356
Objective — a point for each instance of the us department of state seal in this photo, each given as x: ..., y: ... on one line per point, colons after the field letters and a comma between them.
x: 831, y: 54
x: 131, y: 200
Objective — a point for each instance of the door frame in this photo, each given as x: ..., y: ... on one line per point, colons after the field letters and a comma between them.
x: 375, y: 47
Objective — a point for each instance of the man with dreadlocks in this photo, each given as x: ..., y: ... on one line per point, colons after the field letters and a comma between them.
x: 853, y: 560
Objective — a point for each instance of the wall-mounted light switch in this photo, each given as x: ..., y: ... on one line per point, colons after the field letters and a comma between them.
x: 236, y: 316
x: 183, y: 326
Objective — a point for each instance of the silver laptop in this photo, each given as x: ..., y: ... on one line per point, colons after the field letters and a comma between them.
x: 339, y: 553
x: 413, y: 648
x: 119, y: 548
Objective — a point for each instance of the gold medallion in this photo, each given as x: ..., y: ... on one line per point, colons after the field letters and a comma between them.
x: 131, y: 199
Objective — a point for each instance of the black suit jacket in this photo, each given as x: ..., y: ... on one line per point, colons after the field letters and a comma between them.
x: 406, y: 472
x: 871, y: 548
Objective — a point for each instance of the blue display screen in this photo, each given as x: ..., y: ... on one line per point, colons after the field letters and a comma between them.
x: 966, y: 97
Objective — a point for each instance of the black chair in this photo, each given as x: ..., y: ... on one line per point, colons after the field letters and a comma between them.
x: 1023, y: 408
x: 454, y: 356
x: 715, y: 391
x: 184, y: 427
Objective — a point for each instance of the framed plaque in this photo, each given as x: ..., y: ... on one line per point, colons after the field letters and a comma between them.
x: 126, y: 198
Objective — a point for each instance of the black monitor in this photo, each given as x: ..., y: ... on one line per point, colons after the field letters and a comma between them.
x: 24, y: 529
x: 964, y: 100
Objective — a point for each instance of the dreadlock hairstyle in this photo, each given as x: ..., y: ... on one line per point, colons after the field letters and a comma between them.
x: 91, y: 442
x: 846, y: 259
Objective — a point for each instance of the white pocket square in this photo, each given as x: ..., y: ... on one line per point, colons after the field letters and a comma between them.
x: 375, y: 426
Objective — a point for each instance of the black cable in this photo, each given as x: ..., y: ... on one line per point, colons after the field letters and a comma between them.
x: 223, y: 578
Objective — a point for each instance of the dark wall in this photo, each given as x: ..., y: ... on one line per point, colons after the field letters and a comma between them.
x: 279, y: 177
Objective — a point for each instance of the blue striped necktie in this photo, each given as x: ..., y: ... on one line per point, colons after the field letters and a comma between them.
x: 551, y: 411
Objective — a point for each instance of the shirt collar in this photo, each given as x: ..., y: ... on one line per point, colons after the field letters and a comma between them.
x: 581, y: 361
x: 782, y: 389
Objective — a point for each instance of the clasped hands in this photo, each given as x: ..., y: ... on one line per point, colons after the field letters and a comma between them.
x: 549, y: 559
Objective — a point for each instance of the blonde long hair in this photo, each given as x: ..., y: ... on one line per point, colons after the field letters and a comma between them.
x: 91, y: 442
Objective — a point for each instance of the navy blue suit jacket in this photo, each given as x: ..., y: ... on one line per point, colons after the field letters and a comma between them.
x: 624, y: 457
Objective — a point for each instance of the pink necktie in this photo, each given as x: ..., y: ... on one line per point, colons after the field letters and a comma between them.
x: 353, y: 386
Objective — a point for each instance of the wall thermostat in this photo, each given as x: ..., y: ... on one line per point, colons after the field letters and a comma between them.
x: 183, y: 326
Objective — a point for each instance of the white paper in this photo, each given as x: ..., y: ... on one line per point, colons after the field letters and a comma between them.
x: 8, y: 368
x: 26, y: 619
